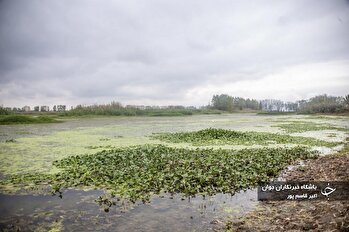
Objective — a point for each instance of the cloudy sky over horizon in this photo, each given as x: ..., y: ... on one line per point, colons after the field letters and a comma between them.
x: 171, y: 52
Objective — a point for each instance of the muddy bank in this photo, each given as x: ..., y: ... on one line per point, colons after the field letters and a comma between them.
x: 302, y: 215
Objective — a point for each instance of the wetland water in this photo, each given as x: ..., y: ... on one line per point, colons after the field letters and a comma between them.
x: 77, y: 211
x: 33, y: 148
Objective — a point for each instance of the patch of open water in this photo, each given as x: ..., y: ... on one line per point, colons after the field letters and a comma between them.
x: 78, y: 211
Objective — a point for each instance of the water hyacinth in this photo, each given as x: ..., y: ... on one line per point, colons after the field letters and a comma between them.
x: 138, y: 172
x: 214, y: 136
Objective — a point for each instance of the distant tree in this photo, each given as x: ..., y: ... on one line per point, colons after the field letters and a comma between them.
x: 3, y: 111
x: 346, y: 101
x: 222, y: 102
x: 229, y: 103
x: 322, y: 104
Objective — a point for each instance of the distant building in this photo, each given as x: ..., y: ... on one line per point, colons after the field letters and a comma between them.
x: 26, y: 108
x: 36, y: 108
x: 44, y: 108
x: 61, y: 108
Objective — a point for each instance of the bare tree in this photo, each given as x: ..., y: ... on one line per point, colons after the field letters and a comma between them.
x: 346, y: 101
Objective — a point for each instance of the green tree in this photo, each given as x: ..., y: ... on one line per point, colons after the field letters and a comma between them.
x: 222, y: 102
x: 322, y: 104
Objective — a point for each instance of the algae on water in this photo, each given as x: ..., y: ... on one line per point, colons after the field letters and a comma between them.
x: 303, y: 126
x: 32, y: 148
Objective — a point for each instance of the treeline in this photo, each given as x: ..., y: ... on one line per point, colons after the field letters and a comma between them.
x: 219, y: 103
x: 324, y: 104
x: 228, y: 103
x: 4, y: 111
x: 117, y: 109
x: 273, y: 105
x: 317, y: 104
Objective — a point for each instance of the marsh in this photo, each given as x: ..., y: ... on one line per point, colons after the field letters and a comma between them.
x: 34, y: 149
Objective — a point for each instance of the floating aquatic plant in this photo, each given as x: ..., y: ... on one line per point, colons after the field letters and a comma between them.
x: 214, y: 136
x: 138, y: 172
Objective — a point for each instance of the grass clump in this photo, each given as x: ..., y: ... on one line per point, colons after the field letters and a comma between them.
x: 138, y: 172
x: 213, y: 136
x: 298, y: 127
x: 25, y: 119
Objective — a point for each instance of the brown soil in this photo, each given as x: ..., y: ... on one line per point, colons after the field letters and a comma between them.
x: 303, y: 215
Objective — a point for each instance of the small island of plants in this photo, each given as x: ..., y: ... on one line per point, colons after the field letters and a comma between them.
x: 136, y: 173
x: 214, y: 136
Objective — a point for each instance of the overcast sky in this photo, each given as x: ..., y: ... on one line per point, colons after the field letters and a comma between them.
x: 171, y: 52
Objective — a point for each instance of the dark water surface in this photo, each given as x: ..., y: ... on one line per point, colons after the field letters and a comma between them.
x: 78, y: 211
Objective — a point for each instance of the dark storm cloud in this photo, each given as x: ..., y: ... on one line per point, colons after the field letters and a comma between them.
x: 158, y: 51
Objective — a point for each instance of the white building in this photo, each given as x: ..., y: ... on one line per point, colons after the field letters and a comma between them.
x: 59, y: 108
x: 26, y: 108
x: 44, y: 108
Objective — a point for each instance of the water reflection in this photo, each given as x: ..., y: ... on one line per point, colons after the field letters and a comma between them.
x: 78, y: 211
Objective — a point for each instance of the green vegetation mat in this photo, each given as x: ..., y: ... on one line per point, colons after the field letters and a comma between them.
x: 138, y: 172
x: 213, y: 136
x: 297, y: 127
x: 24, y: 119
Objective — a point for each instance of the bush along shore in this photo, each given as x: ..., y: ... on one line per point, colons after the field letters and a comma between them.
x: 26, y: 119
x: 136, y: 173
x: 116, y: 109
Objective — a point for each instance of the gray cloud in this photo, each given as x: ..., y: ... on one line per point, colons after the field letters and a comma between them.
x: 164, y: 51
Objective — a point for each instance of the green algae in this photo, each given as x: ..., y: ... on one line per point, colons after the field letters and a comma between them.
x: 55, y: 226
x: 303, y: 126
x: 35, y: 154
x: 26, y: 152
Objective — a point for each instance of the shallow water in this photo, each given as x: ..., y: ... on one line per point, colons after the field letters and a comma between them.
x: 77, y: 211
x: 34, y: 147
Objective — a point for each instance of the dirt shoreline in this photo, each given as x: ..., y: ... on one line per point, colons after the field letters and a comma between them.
x: 302, y: 215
